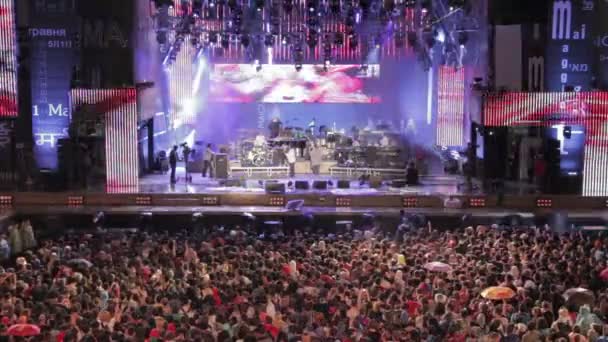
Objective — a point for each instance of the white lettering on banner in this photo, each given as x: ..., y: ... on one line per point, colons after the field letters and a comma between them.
x: 602, y: 41
x: 57, y: 110
x: 47, y: 32
x: 99, y: 34
x: 564, y: 78
x: 54, y: 110
x: 564, y: 63
x: 579, y: 67
x: 536, y: 73
x: 562, y: 19
x: 562, y: 22
x: 50, y: 139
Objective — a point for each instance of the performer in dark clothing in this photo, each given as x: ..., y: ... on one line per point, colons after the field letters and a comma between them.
x: 173, y: 163
x: 275, y: 128
x: 411, y: 176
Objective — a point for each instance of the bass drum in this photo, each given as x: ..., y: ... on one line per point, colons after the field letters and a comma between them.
x: 258, y: 157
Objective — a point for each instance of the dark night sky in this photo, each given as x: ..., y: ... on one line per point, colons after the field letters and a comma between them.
x: 505, y: 12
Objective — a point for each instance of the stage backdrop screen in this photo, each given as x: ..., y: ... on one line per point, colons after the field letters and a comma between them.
x: 585, y: 112
x: 8, y: 66
x: 282, y: 83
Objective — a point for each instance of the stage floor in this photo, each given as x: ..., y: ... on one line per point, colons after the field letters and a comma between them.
x: 430, y: 186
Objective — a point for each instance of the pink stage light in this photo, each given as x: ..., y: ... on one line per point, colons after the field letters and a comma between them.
x: 450, y: 107
x: 588, y: 109
x: 119, y: 108
x: 8, y: 74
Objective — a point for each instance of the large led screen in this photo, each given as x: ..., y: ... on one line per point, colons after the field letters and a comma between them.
x: 586, y: 110
x: 8, y: 66
x: 282, y: 83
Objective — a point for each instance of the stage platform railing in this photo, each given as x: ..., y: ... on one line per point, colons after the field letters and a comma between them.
x: 259, y: 170
x: 358, y: 171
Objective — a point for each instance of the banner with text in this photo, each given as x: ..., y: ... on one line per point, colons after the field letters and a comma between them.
x: 106, y: 29
x: 569, y: 56
x: 52, y: 59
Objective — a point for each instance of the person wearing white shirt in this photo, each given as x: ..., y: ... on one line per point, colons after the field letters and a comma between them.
x: 291, y: 160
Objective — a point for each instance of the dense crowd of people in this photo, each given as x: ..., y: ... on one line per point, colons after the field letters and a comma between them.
x: 233, y: 286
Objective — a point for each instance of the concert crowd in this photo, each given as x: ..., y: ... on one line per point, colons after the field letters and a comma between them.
x: 232, y: 285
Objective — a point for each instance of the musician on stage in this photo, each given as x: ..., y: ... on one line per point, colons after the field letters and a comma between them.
x: 290, y: 155
x: 316, y: 157
x: 207, y: 158
x: 173, y: 163
x: 275, y: 128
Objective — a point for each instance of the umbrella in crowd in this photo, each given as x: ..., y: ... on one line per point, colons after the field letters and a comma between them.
x: 604, y: 274
x: 579, y: 296
x: 23, y: 330
x: 498, y: 293
x: 437, y: 266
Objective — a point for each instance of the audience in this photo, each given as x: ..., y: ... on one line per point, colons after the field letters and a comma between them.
x: 228, y: 285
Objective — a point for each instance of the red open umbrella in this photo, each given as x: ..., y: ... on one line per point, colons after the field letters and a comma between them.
x: 604, y: 274
x: 23, y: 330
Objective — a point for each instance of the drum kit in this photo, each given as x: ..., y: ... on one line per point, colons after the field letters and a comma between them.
x: 262, y: 152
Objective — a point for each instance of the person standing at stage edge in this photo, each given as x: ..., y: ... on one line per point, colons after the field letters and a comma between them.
x: 316, y: 157
x: 173, y: 162
x: 291, y: 160
x: 207, y: 161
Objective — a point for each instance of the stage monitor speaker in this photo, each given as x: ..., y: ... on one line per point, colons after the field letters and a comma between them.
x: 343, y: 184
x: 221, y: 166
x: 302, y: 185
x: 319, y: 185
x: 275, y: 188
x: 399, y: 183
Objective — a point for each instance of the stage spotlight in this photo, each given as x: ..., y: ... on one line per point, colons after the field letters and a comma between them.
x: 197, y: 216
x: 285, y: 40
